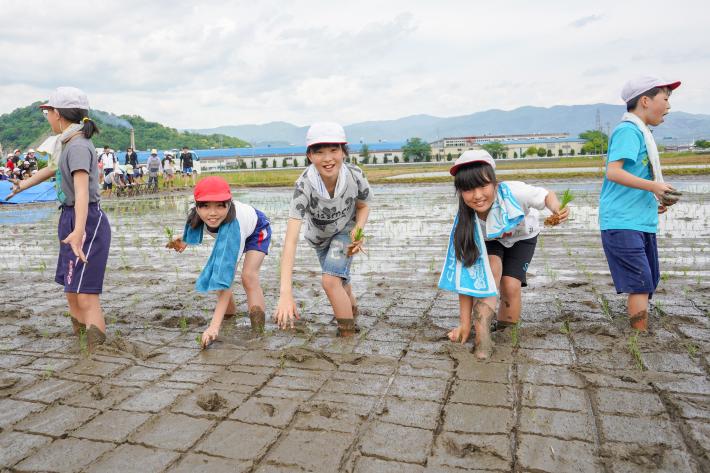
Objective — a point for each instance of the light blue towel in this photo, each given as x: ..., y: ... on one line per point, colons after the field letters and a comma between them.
x: 474, y: 281
x: 505, y: 213
x: 218, y: 273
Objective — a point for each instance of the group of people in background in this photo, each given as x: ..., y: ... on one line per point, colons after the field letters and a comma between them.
x: 19, y: 166
x: 114, y: 174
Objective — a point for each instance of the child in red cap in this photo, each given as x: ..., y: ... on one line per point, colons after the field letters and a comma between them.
x: 238, y: 229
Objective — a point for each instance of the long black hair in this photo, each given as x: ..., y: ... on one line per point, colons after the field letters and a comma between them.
x: 194, y: 220
x: 467, y: 178
x: 79, y: 115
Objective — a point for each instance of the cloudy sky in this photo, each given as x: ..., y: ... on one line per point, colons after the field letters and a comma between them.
x: 202, y: 64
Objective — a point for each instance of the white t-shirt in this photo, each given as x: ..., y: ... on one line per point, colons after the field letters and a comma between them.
x: 246, y: 216
x: 531, y: 199
x: 107, y: 159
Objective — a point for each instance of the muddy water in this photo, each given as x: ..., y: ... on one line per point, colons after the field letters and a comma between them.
x: 564, y: 390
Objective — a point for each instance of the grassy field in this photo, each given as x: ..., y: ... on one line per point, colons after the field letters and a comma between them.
x: 379, y: 174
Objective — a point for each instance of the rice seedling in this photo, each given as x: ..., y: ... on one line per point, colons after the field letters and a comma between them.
x: 692, y: 349
x: 606, y: 308
x: 183, y: 325
x: 633, y: 346
x: 554, y: 219
x: 565, y: 329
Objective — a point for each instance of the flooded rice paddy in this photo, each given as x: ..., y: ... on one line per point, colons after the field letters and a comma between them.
x: 571, y: 389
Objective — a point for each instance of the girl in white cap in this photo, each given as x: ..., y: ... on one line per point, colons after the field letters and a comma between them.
x: 84, y: 230
x: 491, y: 245
x: 331, y: 197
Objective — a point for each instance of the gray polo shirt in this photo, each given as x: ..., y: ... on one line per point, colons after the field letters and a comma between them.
x: 78, y: 154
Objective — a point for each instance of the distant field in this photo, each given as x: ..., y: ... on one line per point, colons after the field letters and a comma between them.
x: 378, y: 174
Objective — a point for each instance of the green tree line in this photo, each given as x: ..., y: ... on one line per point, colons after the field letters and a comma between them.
x: 26, y: 126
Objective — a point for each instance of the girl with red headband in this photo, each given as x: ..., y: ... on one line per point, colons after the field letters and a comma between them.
x: 238, y: 229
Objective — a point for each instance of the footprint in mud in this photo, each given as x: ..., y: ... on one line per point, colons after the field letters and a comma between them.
x: 119, y: 344
x: 97, y: 393
x: 467, y: 449
x: 268, y: 409
x: 211, y: 402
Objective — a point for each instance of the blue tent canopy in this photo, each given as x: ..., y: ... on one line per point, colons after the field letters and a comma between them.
x: 42, y: 192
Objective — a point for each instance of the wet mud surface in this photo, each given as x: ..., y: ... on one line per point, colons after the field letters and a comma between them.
x: 569, y: 390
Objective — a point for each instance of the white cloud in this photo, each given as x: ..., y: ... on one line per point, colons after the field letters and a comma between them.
x: 193, y: 65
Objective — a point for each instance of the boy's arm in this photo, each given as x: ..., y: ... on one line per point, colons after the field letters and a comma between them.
x: 81, y: 208
x: 209, y: 335
x: 40, y: 176
x: 616, y: 173
x: 286, y: 310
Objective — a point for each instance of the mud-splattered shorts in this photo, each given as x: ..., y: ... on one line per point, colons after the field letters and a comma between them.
x: 334, y: 259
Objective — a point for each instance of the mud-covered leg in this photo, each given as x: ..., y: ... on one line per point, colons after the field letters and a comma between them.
x: 483, y: 314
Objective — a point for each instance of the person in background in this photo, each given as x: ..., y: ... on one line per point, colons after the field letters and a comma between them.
x: 109, y: 161
x: 187, y: 161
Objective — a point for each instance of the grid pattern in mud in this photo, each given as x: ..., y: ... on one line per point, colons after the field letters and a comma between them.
x: 571, y: 389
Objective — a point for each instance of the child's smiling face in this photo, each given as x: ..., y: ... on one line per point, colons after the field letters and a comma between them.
x: 212, y: 213
x: 328, y: 160
x: 480, y: 198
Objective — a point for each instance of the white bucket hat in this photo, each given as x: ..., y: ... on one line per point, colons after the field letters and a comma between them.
x: 325, y: 132
x: 472, y: 156
x: 67, y: 97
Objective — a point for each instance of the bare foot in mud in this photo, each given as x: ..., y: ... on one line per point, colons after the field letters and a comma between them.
x: 94, y: 338
x: 77, y: 326
x: 639, y: 321
x: 347, y: 327
x: 460, y: 334
x: 257, y: 317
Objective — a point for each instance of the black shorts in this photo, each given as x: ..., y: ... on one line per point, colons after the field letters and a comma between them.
x: 516, y: 258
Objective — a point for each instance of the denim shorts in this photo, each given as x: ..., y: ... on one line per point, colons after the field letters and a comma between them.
x: 334, y: 259
x: 633, y: 260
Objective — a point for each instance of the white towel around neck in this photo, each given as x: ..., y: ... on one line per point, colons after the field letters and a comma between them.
x: 651, y: 148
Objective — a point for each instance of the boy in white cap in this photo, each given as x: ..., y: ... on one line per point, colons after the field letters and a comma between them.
x: 633, y: 194
x: 331, y: 197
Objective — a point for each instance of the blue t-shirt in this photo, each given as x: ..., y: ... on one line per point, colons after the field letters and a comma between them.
x: 622, y: 207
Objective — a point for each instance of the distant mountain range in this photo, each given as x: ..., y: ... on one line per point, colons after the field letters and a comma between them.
x: 679, y: 127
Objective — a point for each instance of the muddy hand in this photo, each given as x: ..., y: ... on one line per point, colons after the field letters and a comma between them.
x: 208, y: 336
x: 177, y: 244
x: 16, y: 188
x: 662, y: 209
x: 670, y: 197
x: 76, y: 241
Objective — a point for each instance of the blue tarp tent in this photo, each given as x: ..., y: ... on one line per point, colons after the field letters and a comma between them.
x: 42, y: 192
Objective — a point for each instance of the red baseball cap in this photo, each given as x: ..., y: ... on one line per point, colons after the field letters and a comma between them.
x: 212, y: 189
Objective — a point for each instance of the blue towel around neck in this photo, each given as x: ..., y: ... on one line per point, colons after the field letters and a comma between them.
x: 475, y: 281
x: 505, y: 213
x: 218, y: 273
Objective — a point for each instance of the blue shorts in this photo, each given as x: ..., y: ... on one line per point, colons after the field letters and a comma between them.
x: 633, y: 260
x: 72, y: 273
x: 187, y: 170
x: 260, y: 239
x: 334, y: 259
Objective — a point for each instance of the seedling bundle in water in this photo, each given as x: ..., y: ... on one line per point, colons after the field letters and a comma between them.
x: 554, y: 219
